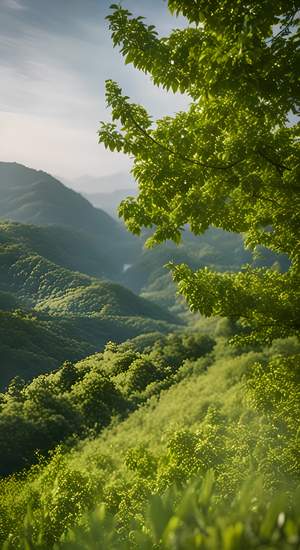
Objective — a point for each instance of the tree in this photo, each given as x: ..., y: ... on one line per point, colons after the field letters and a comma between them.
x: 231, y: 160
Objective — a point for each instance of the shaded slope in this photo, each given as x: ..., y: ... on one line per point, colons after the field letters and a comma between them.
x: 45, y: 286
x: 67, y: 247
x: 33, y: 343
x: 32, y: 196
x: 30, y: 345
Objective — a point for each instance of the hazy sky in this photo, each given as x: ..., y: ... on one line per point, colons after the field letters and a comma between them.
x: 54, y: 58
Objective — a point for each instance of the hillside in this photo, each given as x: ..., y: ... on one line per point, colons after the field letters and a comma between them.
x: 64, y: 314
x: 217, y: 249
x: 129, y: 373
x: 45, y: 286
x: 163, y: 416
x: 32, y: 196
x: 65, y: 246
x: 31, y: 344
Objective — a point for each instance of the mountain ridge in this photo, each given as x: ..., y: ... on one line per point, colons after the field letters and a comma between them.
x: 33, y: 196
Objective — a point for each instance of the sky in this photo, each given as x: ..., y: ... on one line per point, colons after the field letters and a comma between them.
x: 54, y: 58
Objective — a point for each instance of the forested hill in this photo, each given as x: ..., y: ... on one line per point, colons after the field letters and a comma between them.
x: 29, y: 195
x: 43, y: 285
x: 65, y: 246
x: 49, y: 313
x: 32, y: 196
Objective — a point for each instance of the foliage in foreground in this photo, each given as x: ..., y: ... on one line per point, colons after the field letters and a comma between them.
x: 231, y: 160
x: 144, y: 475
x: 191, y: 518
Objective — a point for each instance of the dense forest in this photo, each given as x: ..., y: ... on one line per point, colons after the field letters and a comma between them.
x: 150, y: 378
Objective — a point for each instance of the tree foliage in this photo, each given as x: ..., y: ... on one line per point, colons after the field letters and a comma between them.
x: 212, y: 462
x: 231, y: 160
x: 80, y: 399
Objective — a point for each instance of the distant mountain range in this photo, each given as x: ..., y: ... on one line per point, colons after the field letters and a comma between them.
x: 60, y: 260
x: 103, y: 184
x: 110, y: 201
x: 59, y: 256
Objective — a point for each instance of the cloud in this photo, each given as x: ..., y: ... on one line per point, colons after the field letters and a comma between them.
x: 13, y: 4
x: 53, y: 64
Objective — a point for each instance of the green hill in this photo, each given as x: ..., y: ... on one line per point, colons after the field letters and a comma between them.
x: 129, y: 373
x: 51, y: 313
x: 46, y: 286
x: 33, y: 343
x: 65, y: 246
x: 32, y: 196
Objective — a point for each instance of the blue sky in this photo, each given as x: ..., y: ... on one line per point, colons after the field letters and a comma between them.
x: 54, y: 58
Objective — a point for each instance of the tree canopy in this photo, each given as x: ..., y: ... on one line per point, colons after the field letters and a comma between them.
x: 231, y: 160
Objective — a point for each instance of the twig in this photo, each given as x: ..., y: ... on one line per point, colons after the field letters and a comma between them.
x: 181, y: 157
x: 280, y: 167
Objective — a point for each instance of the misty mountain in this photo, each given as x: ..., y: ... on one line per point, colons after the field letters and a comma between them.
x: 102, y: 184
x: 109, y: 202
x: 35, y: 197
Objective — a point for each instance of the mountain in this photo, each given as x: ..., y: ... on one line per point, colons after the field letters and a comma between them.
x: 102, y: 184
x: 32, y: 196
x: 49, y: 313
x: 109, y: 202
x: 65, y: 246
x: 44, y: 286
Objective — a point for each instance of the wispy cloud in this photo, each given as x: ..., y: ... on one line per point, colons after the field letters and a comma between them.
x: 52, y: 71
x: 13, y: 4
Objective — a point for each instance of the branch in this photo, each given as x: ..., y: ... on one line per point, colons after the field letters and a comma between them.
x: 280, y: 167
x: 284, y: 31
x: 176, y: 154
x: 262, y: 197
